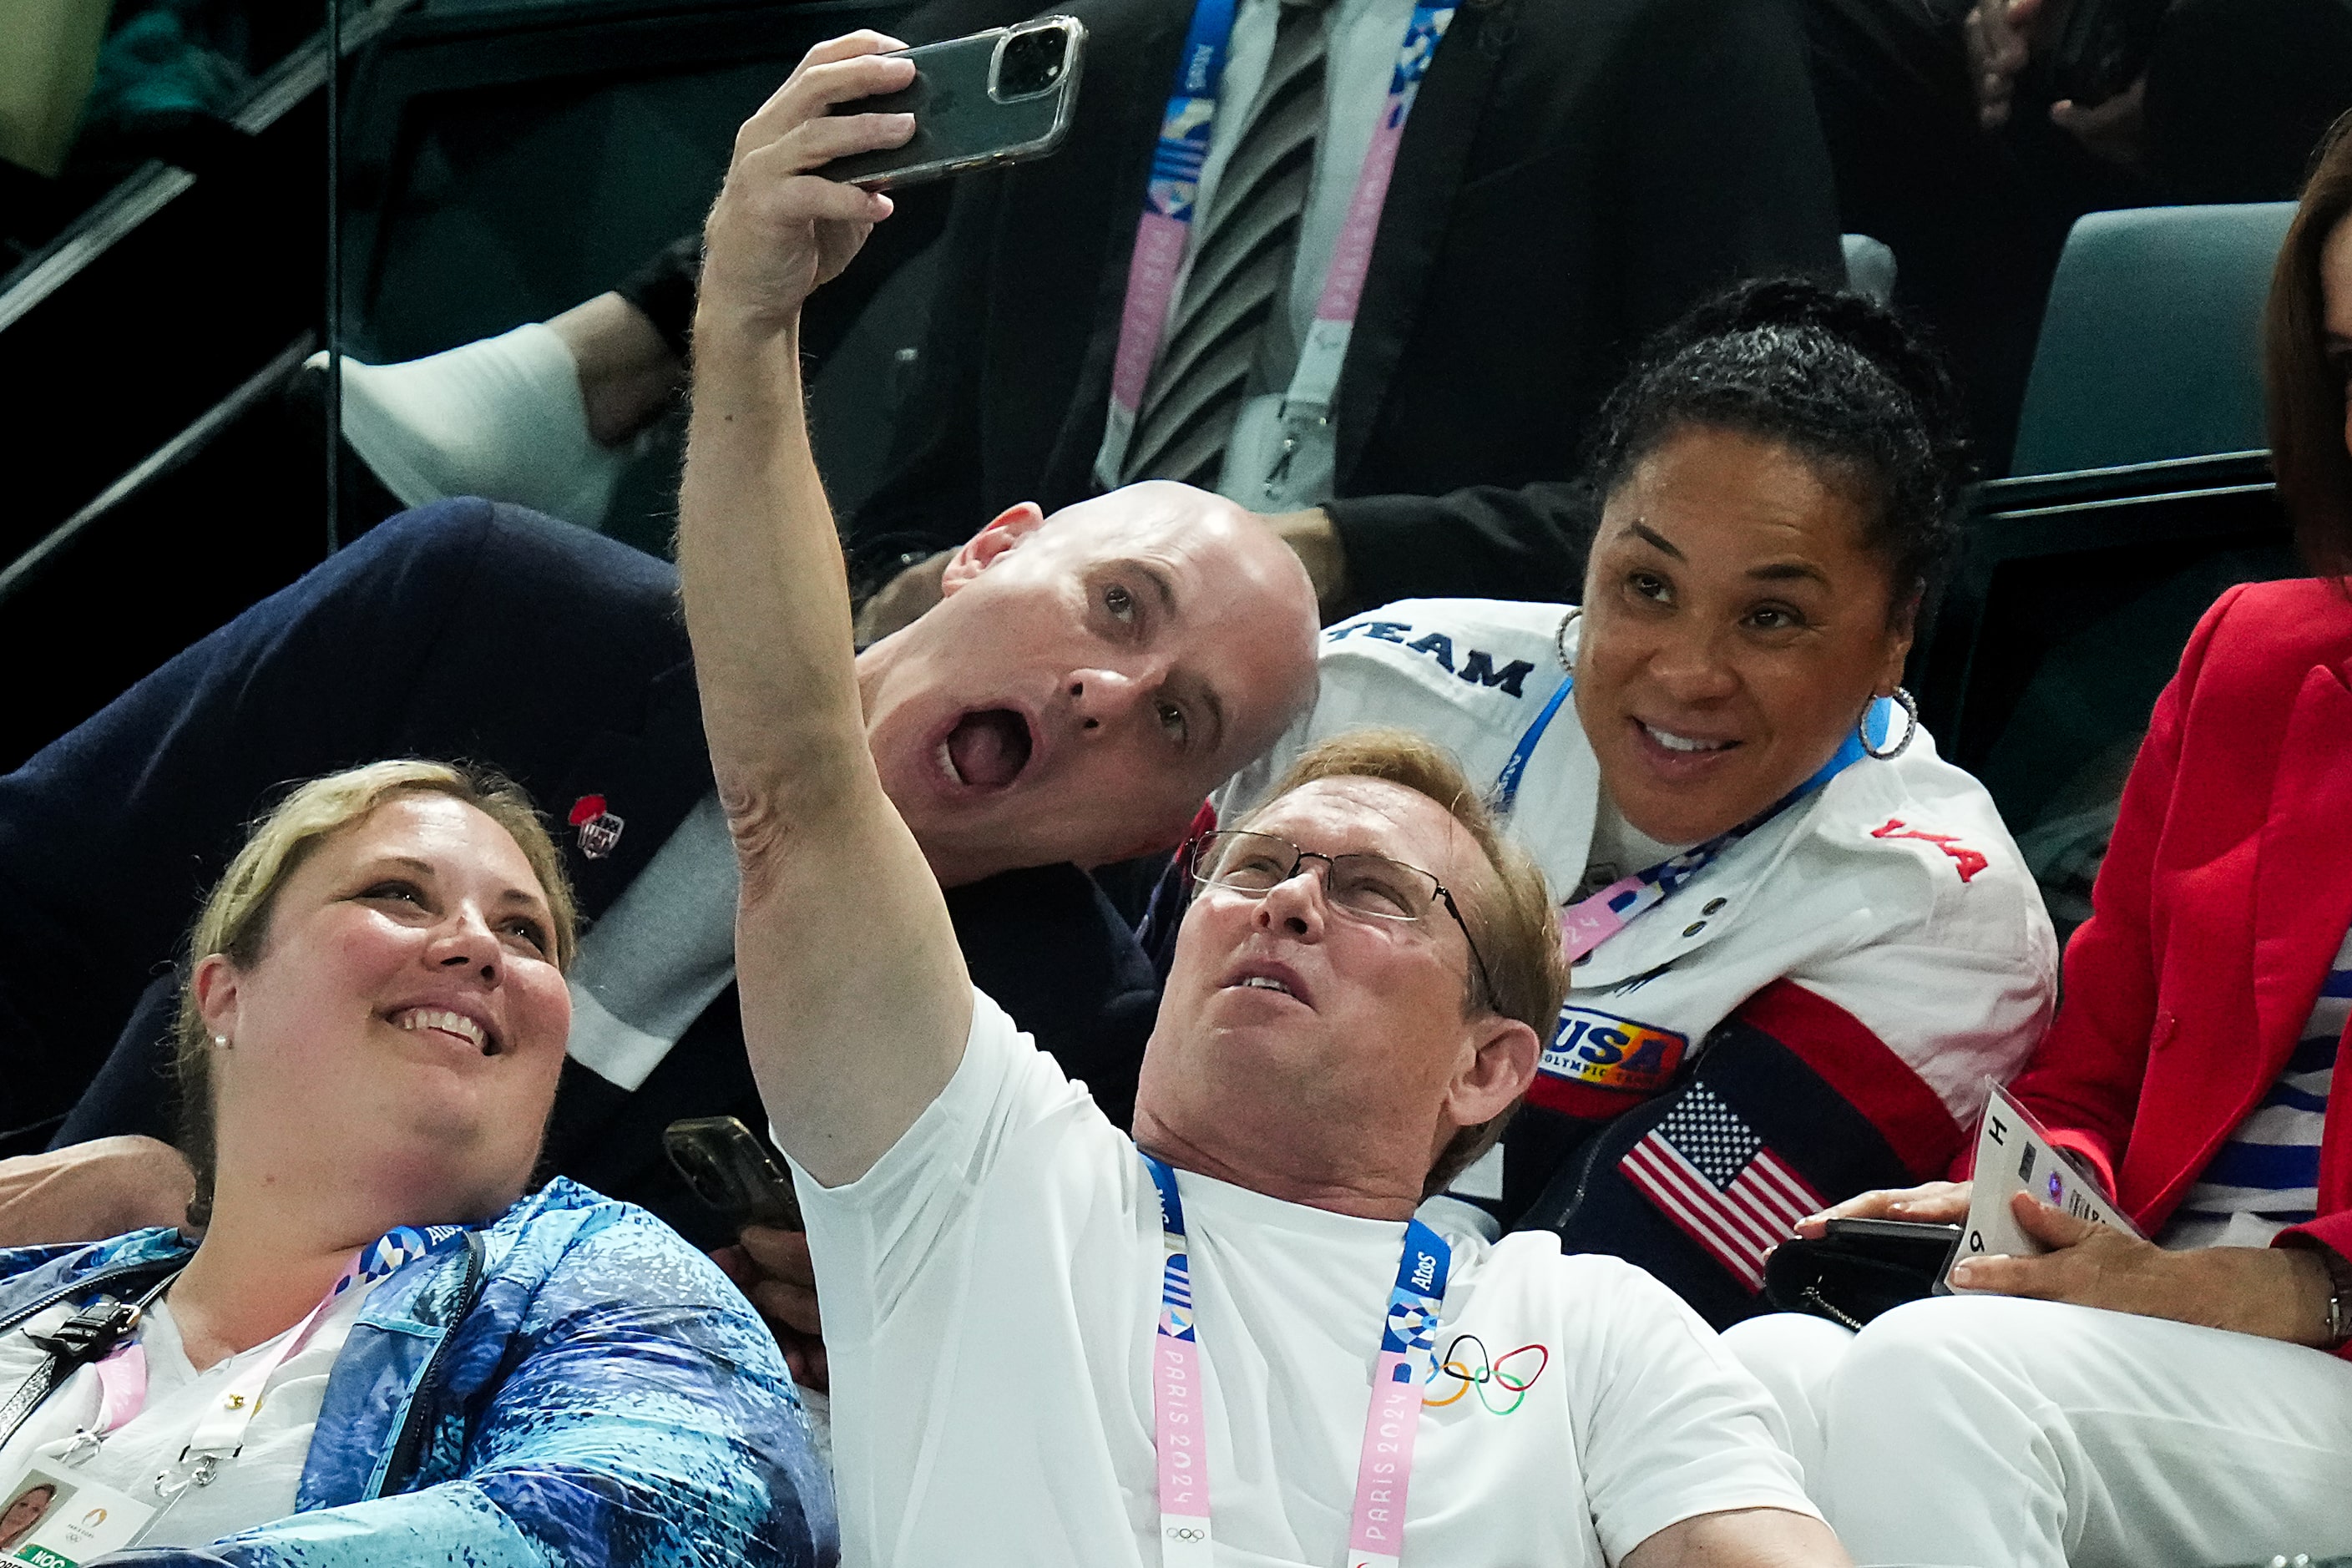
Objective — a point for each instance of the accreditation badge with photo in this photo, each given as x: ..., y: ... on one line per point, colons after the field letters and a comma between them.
x: 51, y: 1517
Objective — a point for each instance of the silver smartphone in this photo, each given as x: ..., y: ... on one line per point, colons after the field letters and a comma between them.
x: 998, y: 97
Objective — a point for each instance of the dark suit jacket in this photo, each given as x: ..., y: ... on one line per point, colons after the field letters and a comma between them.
x: 1576, y: 172
x: 463, y: 630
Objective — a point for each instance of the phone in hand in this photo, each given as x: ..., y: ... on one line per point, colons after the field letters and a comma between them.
x: 726, y: 1167
x: 1004, y: 95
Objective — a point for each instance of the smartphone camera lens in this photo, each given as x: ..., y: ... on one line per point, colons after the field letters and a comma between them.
x: 1029, y: 63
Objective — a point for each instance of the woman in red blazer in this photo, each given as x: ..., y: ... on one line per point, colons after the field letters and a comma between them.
x: 2202, y: 1414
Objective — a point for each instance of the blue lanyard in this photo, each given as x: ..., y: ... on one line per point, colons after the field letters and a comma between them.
x: 1506, y: 793
x: 1630, y: 895
x: 1163, y: 232
x: 1184, y: 132
x: 1507, y: 783
x: 1411, y: 1324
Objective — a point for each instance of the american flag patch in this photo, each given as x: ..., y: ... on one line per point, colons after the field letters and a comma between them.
x: 1710, y: 1174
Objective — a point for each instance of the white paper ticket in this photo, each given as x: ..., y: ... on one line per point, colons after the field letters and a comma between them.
x: 2015, y: 1155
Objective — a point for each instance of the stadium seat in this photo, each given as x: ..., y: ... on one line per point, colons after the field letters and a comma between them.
x: 2150, y: 345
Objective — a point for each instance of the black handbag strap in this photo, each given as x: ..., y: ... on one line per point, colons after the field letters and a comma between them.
x: 87, y: 1336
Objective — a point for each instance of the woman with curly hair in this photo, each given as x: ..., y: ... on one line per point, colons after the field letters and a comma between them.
x: 1800, y: 941
x: 2186, y: 1398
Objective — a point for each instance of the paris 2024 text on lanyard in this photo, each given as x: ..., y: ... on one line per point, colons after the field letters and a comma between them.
x: 1408, y: 1349
x: 1164, y: 231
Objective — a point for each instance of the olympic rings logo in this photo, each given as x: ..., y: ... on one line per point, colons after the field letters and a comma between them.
x: 1471, y: 1369
x: 1186, y: 1532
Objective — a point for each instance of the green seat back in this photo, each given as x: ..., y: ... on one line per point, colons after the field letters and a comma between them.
x: 2151, y: 343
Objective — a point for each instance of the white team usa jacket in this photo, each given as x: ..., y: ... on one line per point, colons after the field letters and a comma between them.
x: 1894, y: 894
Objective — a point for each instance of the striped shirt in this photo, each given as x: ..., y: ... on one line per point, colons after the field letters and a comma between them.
x: 2266, y: 1177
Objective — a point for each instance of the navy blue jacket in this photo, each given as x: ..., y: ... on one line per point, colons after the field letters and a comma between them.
x: 461, y: 630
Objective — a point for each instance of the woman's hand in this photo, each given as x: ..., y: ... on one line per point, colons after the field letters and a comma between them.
x: 779, y: 230
x: 773, y: 1269
x: 2277, y: 1293
x: 1936, y: 1203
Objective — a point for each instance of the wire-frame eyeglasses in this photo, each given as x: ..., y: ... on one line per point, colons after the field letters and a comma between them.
x: 1371, y: 886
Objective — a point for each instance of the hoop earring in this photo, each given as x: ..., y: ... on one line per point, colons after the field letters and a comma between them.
x: 1911, y: 714
x: 1560, y: 637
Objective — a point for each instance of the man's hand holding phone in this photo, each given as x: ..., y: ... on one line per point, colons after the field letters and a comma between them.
x: 779, y: 228
x: 2005, y: 36
x: 772, y: 1267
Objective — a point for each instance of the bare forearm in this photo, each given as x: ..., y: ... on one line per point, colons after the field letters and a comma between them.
x: 854, y: 998
x: 767, y: 607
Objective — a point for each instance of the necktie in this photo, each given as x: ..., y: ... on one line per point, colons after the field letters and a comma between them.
x: 1243, y: 253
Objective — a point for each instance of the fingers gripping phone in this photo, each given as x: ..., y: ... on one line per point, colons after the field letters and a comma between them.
x: 726, y: 1167
x: 998, y: 97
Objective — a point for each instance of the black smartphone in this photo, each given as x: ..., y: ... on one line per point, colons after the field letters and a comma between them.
x: 1902, y: 1241
x: 2098, y: 48
x: 727, y: 1167
x: 998, y: 97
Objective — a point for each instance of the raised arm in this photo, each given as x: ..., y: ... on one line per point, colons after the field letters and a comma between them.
x: 855, y: 1002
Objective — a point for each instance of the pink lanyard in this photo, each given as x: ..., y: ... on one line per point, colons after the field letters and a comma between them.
x: 1164, y: 232
x: 1385, y: 1469
x: 220, y: 1434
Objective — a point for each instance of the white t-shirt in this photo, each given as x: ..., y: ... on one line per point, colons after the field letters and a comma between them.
x: 256, y: 1487
x: 989, y: 1288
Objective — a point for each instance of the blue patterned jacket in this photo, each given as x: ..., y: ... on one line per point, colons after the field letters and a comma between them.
x: 573, y: 1385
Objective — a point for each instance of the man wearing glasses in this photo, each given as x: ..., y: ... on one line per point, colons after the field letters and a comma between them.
x: 1225, y: 1339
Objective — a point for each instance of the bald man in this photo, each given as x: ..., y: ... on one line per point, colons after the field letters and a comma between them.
x: 1087, y: 680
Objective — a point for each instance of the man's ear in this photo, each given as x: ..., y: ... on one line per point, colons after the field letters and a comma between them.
x: 976, y: 554
x: 214, y: 984
x: 1500, y: 1067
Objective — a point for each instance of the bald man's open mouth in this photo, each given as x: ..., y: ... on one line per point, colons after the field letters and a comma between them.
x: 988, y: 748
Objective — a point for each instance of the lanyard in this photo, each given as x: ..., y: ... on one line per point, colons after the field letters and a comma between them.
x: 1383, y: 1472
x: 1590, y: 921
x: 1164, y: 231
x: 220, y: 1434
x: 1507, y: 783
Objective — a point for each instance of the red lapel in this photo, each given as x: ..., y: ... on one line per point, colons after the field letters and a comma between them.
x: 2303, y: 879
